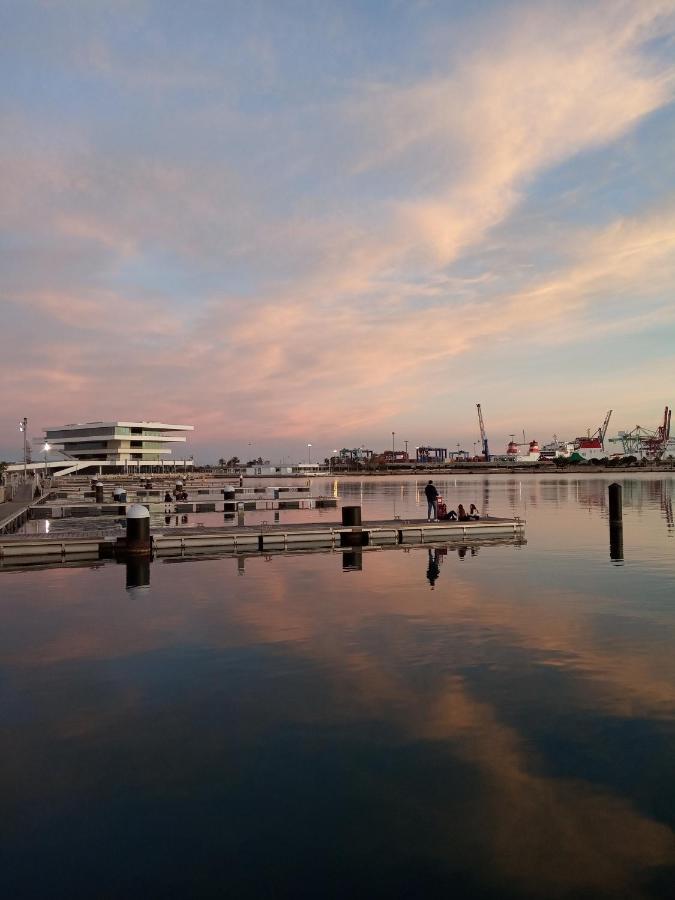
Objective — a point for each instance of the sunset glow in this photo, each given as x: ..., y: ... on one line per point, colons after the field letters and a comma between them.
x: 323, y: 224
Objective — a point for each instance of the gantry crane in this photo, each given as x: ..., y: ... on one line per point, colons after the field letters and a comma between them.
x: 483, y: 436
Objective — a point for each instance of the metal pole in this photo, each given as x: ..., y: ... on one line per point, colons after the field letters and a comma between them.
x: 24, y: 428
x: 393, y: 450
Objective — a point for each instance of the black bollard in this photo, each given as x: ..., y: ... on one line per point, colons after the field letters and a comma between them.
x: 138, y: 529
x: 616, y: 542
x: 99, y: 492
x: 138, y: 572
x: 615, y: 523
x: 120, y: 496
x: 615, y: 504
x: 228, y: 492
x: 351, y: 518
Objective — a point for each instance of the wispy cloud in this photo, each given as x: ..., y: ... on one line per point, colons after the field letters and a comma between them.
x: 327, y: 258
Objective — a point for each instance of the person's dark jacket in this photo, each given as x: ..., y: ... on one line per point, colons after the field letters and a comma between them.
x: 431, y: 492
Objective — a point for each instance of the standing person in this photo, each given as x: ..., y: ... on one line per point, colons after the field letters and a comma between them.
x: 432, y: 501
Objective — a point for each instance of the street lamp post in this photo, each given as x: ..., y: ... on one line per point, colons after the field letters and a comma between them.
x: 309, y: 453
x: 46, y: 449
x: 393, y: 446
x: 406, y: 447
x: 23, y: 427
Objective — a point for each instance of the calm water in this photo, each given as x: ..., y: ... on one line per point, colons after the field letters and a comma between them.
x: 482, y: 722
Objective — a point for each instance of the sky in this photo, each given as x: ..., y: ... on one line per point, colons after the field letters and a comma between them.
x: 324, y: 222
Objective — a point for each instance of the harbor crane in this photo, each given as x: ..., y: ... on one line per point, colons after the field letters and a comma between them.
x: 597, y: 439
x: 483, y: 436
x: 602, y: 431
x: 648, y: 444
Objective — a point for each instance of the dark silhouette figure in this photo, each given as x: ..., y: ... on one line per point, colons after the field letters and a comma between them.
x: 432, y: 501
x: 433, y: 570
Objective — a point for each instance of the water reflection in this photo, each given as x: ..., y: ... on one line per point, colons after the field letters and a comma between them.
x: 137, y: 572
x: 352, y: 560
x: 329, y: 725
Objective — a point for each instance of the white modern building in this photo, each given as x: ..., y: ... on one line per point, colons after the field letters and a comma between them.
x: 111, y: 446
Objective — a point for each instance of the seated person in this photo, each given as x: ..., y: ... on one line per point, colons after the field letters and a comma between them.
x: 452, y: 515
x: 462, y: 514
x: 473, y: 512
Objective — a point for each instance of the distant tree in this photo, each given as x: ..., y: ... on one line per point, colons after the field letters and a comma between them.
x: 221, y: 462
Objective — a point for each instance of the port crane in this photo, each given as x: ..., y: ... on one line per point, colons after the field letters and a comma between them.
x: 597, y: 439
x: 483, y: 436
x: 643, y: 442
x: 602, y: 431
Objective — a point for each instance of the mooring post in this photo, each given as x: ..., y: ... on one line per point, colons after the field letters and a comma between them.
x: 615, y: 504
x: 120, y: 496
x: 229, y: 504
x: 138, y: 529
x: 351, y: 518
x: 99, y: 492
x: 615, y: 522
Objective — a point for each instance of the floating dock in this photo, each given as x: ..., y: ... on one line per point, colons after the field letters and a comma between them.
x: 53, y: 509
x: 26, y: 549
